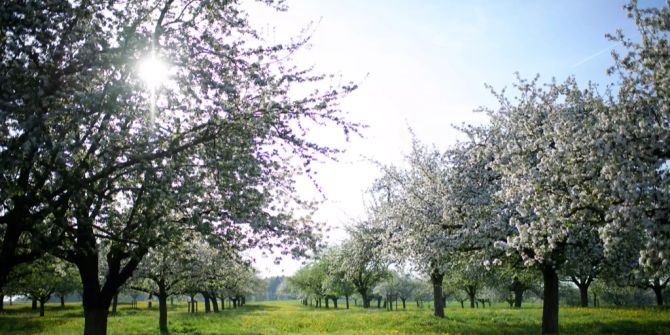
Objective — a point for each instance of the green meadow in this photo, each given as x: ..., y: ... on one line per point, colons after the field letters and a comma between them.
x: 289, y: 317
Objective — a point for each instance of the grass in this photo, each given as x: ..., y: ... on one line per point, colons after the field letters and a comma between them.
x: 289, y: 317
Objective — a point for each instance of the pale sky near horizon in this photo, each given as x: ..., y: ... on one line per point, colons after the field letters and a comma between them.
x: 423, y: 64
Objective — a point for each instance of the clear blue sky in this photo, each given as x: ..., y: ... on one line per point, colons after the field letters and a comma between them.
x: 424, y: 64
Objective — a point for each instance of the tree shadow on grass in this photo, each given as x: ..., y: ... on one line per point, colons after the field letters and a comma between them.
x: 21, y: 325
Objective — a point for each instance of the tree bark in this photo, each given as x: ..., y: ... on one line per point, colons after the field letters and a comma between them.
x: 162, y: 309
x: 62, y: 301
x: 403, y: 303
x: 42, y: 306
x: 584, y: 295
x: 215, y: 304
x: 658, y: 291
x: 436, y: 278
x: 364, y: 296
x: 95, y: 321
x: 115, y: 301
x: 346, y: 298
x: 34, y: 304
x: 207, y: 305
x: 550, y: 305
x: 518, y: 297
x: 2, y: 303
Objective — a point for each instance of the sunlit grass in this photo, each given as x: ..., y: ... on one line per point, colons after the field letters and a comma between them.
x: 290, y: 317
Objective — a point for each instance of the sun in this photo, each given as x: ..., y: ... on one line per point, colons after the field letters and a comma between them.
x: 153, y: 71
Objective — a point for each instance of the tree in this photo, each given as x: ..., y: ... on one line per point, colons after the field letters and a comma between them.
x: 549, y: 155
x: 95, y: 155
x: 336, y: 282
x: 68, y: 283
x: 640, y: 162
x: 41, y: 278
x: 467, y: 273
x: 361, y: 260
x: 409, y: 209
x: 162, y: 272
x: 439, y: 206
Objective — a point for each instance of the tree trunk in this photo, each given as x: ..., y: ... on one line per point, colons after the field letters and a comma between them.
x: 584, y: 295
x: 335, y: 303
x: 379, y: 302
x: 42, y: 306
x: 62, y: 301
x: 215, y: 304
x: 346, y: 298
x: 472, y: 300
x: 438, y: 307
x: 207, y: 306
x: 95, y: 321
x: 34, y: 304
x: 595, y: 300
x: 403, y: 303
x: 550, y: 305
x: 462, y: 303
x: 364, y: 296
x: 162, y: 309
x: 149, y: 302
x: 518, y: 297
x: 327, y: 305
x: 658, y: 291
x: 2, y: 303
x: 115, y: 301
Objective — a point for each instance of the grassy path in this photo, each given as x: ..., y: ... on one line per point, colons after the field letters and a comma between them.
x: 290, y: 317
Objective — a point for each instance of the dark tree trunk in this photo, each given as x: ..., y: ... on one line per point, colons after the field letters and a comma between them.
x: 346, y: 299
x: 207, y: 305
x: 115, y: 301
x: 223, y: 303
x: 518, y: 297
x: 149, y: 302
x: 462, y: 303
x: 42, y: 306
x: 472, y: 300
x: 162, y: 309
x: 62, y: 301
x: 595, y: 300
x: 550, y: 305
x: 215, y: 304
x: 335, y: 302
x: 2, y: 303
x: 436, y: 279
x: 34, y: 304
x: 403, y: 303
x: 364, y: 296
x: 327, y: 305
x: 95, y: 321
x: 658, y: 291
x: 379, y: 302
x: 584, y: 295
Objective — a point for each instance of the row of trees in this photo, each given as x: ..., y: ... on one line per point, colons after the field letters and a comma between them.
x: 185, y: 268
x: 101, y: 169
x: 565, y: 182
